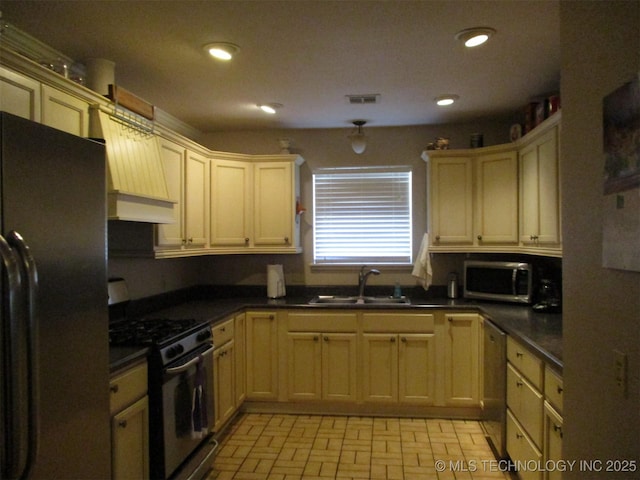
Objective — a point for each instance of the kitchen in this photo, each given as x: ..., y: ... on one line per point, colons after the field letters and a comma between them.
x: 597, y: 425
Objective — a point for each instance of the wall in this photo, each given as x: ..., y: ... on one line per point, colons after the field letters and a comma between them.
x: 600, y: 51
x: 330, y: 147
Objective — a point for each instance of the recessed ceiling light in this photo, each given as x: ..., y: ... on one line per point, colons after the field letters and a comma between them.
x: 444, y: 100
x: 472, y: 37
x: 222, y: 50
x: 270, y: 108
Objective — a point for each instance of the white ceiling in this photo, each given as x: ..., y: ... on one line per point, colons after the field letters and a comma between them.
x: 307, y: 55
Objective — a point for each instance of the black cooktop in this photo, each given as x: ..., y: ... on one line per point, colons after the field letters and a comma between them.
x: 150, y: 331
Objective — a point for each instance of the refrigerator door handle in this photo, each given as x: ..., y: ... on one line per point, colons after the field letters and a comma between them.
x: 29, y: 273
x: 16, y: 431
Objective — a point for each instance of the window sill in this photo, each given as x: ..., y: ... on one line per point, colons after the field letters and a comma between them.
x: 387, y: 267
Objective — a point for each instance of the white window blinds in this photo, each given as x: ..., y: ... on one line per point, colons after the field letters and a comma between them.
x: 362, y: 215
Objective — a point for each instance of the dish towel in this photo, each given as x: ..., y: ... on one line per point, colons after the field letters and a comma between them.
x: 199, y: 421
x: 422, y: 267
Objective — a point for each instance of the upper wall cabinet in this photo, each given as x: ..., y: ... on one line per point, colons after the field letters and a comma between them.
x: 503, y: 198
x: 253, y: 203
x: 28, y: 98
x: 187, y: 175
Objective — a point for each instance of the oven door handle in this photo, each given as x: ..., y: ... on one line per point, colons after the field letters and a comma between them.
x: 185, y: 366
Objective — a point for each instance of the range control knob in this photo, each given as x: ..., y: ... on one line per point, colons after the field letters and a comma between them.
x: 175, y: 350
x: 204, y: 335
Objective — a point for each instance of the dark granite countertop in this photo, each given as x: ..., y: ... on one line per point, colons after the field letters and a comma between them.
x: 541, y: 332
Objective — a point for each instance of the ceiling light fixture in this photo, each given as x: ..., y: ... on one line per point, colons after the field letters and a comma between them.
x: 445, y: 100
x: 222, y: 50
x: 270, y: 108
x: 358, y: 139
x: 472, y: 37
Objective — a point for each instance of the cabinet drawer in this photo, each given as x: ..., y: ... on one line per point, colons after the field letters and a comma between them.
x: 127, y: 387
x: 398, y: 322
x: 521, y: 449
x: 526, y: 403
x: 530, y: 366
x: 322, y: 322
x: 553, y: 388
x: 222, y: 333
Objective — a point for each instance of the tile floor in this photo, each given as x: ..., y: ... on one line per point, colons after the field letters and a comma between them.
x: 306, y: 447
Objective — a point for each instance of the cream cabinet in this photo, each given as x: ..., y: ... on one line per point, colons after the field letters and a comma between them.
x: 552, y: 423
x: 28, y: 98
x: 462, y: 359
x: 19, y: 95
x: 262, y: 355
x: 451, y: 200
x: 502, y: 198
x: 253, y: 203
x: 129, y: 407
x: 64, y: 111
x: 496, y: 200
x: 241, y: 359
x: 187, y: 175
x: 321, y: 356
x: 525, y: 404
x: 223, y: 373
x: 540, y: 191
x: 398, y: 358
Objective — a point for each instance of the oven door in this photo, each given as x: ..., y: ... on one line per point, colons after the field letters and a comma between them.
x: 187, y: 399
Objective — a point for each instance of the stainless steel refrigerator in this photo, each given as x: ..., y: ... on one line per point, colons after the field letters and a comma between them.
x: 54, y: 349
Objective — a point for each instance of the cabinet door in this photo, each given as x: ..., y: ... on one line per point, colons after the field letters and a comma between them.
x: 462, y: 364
x: 497, y: 198
x: 539, y: 191
x: 273, y: 204
x: 223, y: 378
x: 304, y: 365
x: 172, y: 234
x: 230, y: 202
x: 196, y: 199
x: 552, y: 441
x: 380, y: 367
x: 451, y: 200
x: 416, y: 362
x: 130, y: 441
x: 241, y: 367
x: 522, y: 450
x: 262, y: 356
x: 19, y: 95
x: 339, y: 366
x: 65, y: 112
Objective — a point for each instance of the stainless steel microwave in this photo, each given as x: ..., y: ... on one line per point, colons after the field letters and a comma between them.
x: 500, y: 281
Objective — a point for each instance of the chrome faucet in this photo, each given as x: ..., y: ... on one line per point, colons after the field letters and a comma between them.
x: 362, y: 279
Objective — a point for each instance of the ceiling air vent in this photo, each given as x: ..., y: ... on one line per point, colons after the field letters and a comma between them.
x: 367, y: 99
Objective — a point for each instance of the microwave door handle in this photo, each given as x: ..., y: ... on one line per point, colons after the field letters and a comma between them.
x: 16, y: 429
x: 30, y: 274
x: 514, y: 282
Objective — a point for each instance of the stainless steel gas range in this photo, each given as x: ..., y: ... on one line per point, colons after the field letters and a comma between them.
x: 180, y: 387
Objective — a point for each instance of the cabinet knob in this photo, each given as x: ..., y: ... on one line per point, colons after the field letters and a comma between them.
x: 184, y: 241
x: 519, y: 436
x: 437, y: 238
x: 326, y: 339
x: 122, y: 424
x: 272, y: 317
x: 114, y: 388
x: 519, y: 384
x: 393, y: 339
x: 190, y: 240
x: 519, y: 354
x: 286, y: 240
x: 315, y: 338
x: 559, y: 389
x: 403, y: 339
x: 480, y: 237
x: 558, y: 429
x: 246, y: 240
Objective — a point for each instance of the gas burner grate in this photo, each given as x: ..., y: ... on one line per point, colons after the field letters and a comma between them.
x: 149, y: 331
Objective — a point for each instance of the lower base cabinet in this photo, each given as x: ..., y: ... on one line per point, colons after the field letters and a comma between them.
x: 262, y: 355
x: 522, y: 450
x: 129, y: 406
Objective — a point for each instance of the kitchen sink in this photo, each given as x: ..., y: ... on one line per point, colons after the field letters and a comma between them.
x: 342, y: 300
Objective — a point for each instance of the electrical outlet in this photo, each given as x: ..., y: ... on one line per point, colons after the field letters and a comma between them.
x: 620, y: 371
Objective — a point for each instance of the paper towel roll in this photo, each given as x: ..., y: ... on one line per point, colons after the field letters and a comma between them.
x: 275, y: 281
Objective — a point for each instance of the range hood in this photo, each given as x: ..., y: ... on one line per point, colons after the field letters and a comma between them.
x: 136, y: 185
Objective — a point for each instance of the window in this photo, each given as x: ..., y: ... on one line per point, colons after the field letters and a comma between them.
x: 362, y: 215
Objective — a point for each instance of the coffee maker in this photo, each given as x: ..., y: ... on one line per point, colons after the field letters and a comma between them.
x: 549, y: 299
